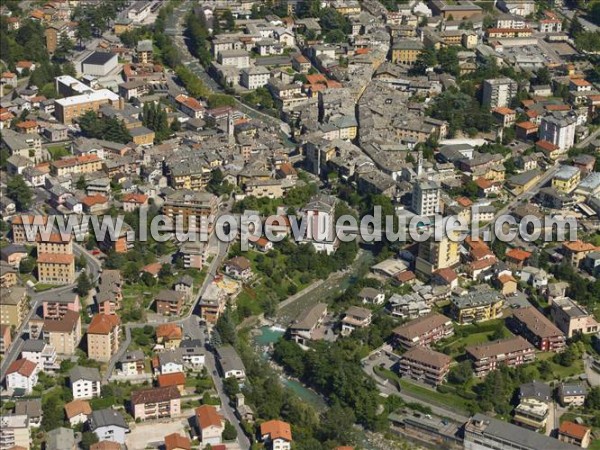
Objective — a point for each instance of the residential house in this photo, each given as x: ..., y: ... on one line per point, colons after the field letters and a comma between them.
x: 14, y: 432
x: 176, y: 379
x: 532, y: 414
x: 32, y: 408
x: 169, y: 335
x: 477, y: 305
x: 574, y: 433
x: 176, y: 441
x: 85, y: 382
x: 41, y: 353
x: 276, y: 434
x: 576, y: 251
x: 22, y: 375
x: 230, y: 363
x: 570, y: 394
x: 355, y: 317
x: 371, y: 296
x: 108, y: 425
x: 306, y: 327
x: 238, y: 268
x: 132, y: 363
x: 210, y: 425
x: 77, y: 412
x: 168, y: 362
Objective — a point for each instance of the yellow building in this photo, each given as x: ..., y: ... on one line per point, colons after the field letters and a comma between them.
x: 142, y: 136
x: 347, y: 7
x: 477, y: 306
x: 523, y: 181
x: 122, y: 25
x: 14, y: 306
x: 406, y: 51
x: 79, y: 164
x: 70, y: 108
x: 566, y: 179
x: 434, y: 255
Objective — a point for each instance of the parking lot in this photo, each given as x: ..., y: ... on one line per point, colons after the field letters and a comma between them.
x: 152, y: 434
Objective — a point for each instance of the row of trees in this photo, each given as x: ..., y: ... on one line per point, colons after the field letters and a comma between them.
x: 155, y: 118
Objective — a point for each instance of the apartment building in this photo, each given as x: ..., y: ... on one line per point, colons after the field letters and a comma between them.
x: 194, y: 254
x: 63, y: 334
x: 103, y: 337
x: 571, y: 318
x: 14, y: 306
x: 511, y: 352
x: 575, y: 251
x: 14, y: 431
x: 499, y: 92
x: 55, y: 260
x: 355, y: 317
x: 436, y: 254
x: 406, y: 51
x: 169, y: 302
x: 210, y: 425
x: 40, y: 353
x: 426, y: 198
x: 307, y: 325
x: 79, y: 164
x: 566, y: 179
x: 70, y: 108
x: 5, y: 338
x: 423, y: 331
x: 537, y: 329
x: 109, y: 295
x: 194, y: 209
x: 477, y: 306
x: 55, y: 305
x: 532, y: 414
x: 424, y: 364
x: 156, y: 403
x: 558, y: 129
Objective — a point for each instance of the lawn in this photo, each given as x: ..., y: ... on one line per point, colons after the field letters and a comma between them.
x: 58, y: 151
x: 41, y: 287
x: 558, y: 371
x: 447, y: 400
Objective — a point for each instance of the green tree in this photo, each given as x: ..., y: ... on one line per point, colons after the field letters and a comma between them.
x: 226, y: 327
x: 27, y: 265
x: 81, y: 183
x: 543, y: 76
x: 88, y: 438
x: 227, y: 16
x: 461, y: 373
x: 64, y: 48
x: 19, y: 192
x: 231, y: 387
x: 83, y: 285
x: 229, y: 433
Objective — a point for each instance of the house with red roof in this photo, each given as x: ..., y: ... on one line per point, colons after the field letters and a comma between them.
x: 176, y: 441
x: 276, y: 434
x: 22, y: 374
x: 131, y: 202
x: 574, y: 433
x: 210, y: 425
x: 516, y: 257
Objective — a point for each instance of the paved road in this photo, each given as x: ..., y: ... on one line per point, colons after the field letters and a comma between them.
x: 570, y: 13
x: 175, y: 30
x: 35, y: 303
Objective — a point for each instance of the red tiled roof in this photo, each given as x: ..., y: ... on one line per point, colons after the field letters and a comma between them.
x: 573, y: 430
x: 175, y: 440
x: 207, y: 416
x: 171, y: 379
x: 92, y: 200
x: 276, y: 429
x: 23, y: 367
x: 518, y: 254
x: 527, y: 125
x: 169, y: 330
x: 103, y: 323
x: 135, y: 198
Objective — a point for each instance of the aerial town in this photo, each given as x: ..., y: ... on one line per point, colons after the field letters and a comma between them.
x: 172, y: 117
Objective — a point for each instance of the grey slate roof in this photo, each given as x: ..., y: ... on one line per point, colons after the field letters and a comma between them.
x: 84, y: 373
x: 106, y: 418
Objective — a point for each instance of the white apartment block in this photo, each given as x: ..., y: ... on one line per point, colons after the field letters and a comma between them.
x: 499, y: 92
x: 426, y: 198
x: 254, y: 77
x: 559, y: 130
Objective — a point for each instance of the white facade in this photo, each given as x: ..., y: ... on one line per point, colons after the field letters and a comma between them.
x: 44, y: 360
x: 17, y: 381
x: 14, y: 431
x: 499, y: 92
x: 111, y: 433
x: 560, y: 131
x: 253, y: 78
x: 85, y: 389
x: 426, y: 198
x: 171, y: 367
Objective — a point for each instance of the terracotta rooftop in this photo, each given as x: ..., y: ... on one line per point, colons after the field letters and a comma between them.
x: 579, y: 246
x: 276, y: 429
x: 176, y: 441
x: 208, y: 416
x: 103, y: 324
x: 77, y: 407
x: 169, y: 331
x: 504, y: 346
x: 23, y: 367
x: 171, y: 379
x: 55, y: 258
x: 573, y: 430
x: 518, y: 254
